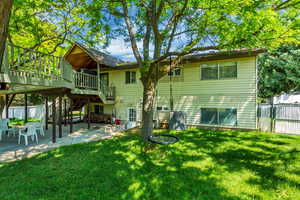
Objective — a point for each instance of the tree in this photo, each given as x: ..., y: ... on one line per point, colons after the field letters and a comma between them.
x: 49, y: 26
x: 5, y: 10
x: 175, y: 28
x: 279, y: 71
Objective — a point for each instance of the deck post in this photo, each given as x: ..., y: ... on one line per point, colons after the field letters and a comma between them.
x: 98, y: 77
x: 60, y: 116
x: 80, y: 114
x: 46, y: 113
x: 53, y: 121
x: 89, y: 114
x: 6, y: 106
x: 65, y: 112
x: 71, y: 116
x: 26, y: 109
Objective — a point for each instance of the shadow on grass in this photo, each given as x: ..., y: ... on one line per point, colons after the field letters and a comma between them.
x: 197, y: 167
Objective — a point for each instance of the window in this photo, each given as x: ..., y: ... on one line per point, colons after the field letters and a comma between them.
x: 162, y: 108
x: 132, y: 114
x: 209, y: 116
x: 98, y: 109
x: 228, y: 70
x: 227, y: 117
x: 130, y: 77
x: 219, y: 71
x: 159, y: 108
x: 175, y: 72
x: 209, y: 72
x: 219, y: 116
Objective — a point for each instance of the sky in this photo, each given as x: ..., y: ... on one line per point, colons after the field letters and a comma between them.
x: 121, y: 50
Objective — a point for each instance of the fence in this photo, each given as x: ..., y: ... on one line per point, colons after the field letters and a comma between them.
x: 279, y: 118
x: 18, y: 112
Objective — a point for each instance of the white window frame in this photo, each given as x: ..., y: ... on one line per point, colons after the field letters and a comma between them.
x: 128, y: 114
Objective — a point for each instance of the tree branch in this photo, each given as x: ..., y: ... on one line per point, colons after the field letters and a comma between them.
x: 131, y: 33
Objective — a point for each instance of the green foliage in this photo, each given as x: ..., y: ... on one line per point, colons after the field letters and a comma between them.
x: 49, y: 26
x: 279, y: 71
x: 203, y: 165
x: 182, y: 26
x: 35, y: 99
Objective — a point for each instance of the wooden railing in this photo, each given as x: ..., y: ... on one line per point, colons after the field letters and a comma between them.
x: 109, y: 92
x: 24, y: 62
x: 85, y: 81
x: 90, y: 82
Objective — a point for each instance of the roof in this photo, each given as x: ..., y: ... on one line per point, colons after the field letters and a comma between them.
x: 100, y: 57
x: 210, y: 56
x: 89, y: 57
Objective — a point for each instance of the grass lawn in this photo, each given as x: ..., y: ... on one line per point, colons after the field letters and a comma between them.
x: 204, y: 164
x: 14, y: 122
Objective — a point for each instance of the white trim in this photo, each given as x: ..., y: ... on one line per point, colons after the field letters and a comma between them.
x: 128, y: 112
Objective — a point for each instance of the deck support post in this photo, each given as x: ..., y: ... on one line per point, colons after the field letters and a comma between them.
x: 46, y: 113
x: 60, y: 116
x: 53, y: 121
x: 71, y: 116
x: 26, y: 109
x: 65, y: 112
x: 89, y: 114
x: 6, y: 106
x: 98, y: 77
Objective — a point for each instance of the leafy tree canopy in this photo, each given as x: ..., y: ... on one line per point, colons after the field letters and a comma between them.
x: 279, y: 71
x: 49, y: 25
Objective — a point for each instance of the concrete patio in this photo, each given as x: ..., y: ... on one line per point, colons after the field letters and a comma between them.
x: 10, y: 150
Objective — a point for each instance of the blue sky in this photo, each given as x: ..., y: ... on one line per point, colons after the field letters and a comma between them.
x: 120, y: 49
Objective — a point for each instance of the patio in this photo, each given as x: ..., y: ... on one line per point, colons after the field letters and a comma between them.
x: 10, y: 150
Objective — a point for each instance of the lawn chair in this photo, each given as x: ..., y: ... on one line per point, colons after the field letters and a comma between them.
x: 39, y: 126
x: 5, y: 128
x: 28, y: 130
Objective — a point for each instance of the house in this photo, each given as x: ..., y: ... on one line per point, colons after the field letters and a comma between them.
x: 215, y: 89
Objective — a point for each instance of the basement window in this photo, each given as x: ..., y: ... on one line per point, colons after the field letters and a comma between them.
x: 219, y: 116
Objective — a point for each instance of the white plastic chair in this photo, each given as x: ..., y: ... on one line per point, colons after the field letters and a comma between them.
x: 28, y: 130
x: 4, y: 127
x: 39, y: 126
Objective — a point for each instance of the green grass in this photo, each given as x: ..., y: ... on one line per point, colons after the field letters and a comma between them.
x: 204, y: 164
x: 15, y: 122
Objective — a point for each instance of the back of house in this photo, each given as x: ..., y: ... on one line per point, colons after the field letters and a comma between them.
x: 217, y: 89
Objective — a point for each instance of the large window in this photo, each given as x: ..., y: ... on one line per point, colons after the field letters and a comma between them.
x: 132, y: 114
x: 219, y: 116
x: 219, y: 71
x: 130, y: 77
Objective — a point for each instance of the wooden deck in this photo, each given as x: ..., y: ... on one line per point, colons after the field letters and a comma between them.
x: 26, y: 70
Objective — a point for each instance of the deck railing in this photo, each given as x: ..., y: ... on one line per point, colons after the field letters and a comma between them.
x: 24, y: 62
x: 85, y: 81
x: 108, y: 91
x: 90, y: 82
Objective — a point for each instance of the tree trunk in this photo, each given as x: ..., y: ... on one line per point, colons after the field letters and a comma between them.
x: 5, y: 10
x: 148, y: 102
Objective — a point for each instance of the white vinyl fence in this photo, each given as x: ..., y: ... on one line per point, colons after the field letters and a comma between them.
x: 279, y: 118
x: 18, y: 112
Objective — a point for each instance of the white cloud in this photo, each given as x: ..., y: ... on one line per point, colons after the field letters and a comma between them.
x: 119, y: 48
